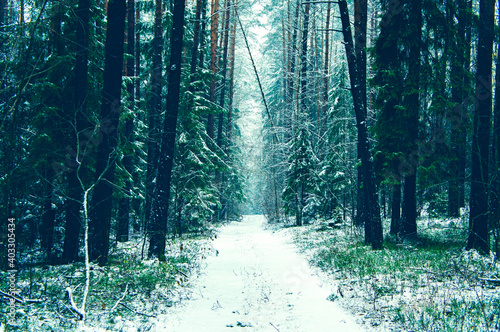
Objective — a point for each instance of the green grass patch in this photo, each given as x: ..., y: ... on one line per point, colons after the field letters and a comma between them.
x: 129, y: 290
x: 431, y: 284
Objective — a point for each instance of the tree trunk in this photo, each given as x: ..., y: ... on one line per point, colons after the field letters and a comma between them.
x: 396, y: 209
x: 303, y: 63
x: 495, y: 190
x: 232, y: 58
x: 326, y: 80
x: 154, y: 133
x: 100, y: 222
x: 458, y: 91
x: 201, y: 62
x: 196, y: 42
x: 369, y: 188
x: 128, y: 158
x: 478, y: 220
x: 412, y: 102
x: 160, y: 206
x: 3, y: 7
x: 48, y: 216
x: 292, y: 60
x: 213, y: 62
x: 75, y: 189
x: 467, y: 83
x: 225, y: 46
x: 360, y: 28
x: 220, y: 177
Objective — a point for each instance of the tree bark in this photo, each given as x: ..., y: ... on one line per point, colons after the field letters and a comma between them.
x: 100, y: 221
x: 154, y: 133
x: 75, y: 190
x: 360, y: 28
x: 303, y: 62
x: 128, y: 158
x: 458, y: 91
x: 495, y: 190
x: 213, y: 62
x: 160, y: 206
x: 396, y: 209
x: 49, y: 216
x: 412, y: 103
x: 326, y: 80
x: 478, y: 220
x: 369, y: 188
x: 196, y: 42
x: 232, y: 59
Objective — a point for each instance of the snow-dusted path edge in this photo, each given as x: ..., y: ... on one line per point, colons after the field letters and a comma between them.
x: 259, y: 282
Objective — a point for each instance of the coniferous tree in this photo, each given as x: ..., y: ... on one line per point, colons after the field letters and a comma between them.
x: 300, y: 190
x: 388, y: 62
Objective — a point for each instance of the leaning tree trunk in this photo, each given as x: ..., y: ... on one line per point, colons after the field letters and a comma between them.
x: 100, y: 222
x: 478, y: 219
x: 159, y: 215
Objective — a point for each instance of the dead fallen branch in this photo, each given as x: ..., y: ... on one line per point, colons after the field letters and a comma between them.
x: 137, y: 312
x: 180, y: 272
x: 493, y: 281
x: 120, y: 299
x: 20, y: 299
x: 79, y: 312
x: 274, y: 326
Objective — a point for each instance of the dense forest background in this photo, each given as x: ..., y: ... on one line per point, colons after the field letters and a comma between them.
x: 120, y: 118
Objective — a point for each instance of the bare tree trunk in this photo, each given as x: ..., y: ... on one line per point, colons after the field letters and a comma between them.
x: 75, y: 191
x: 458, y: 72
x: 479, y: 211
x: 232, y: 59
x: 323, y: 120
x: 409, y: 204
x: 213, y: 62
x: 360, y: 28
x: 154, y: 134
x: 158, y: 229
x: 369, y: 188
x: 128, y: 159
x: 495, y: 190
x: 100, y: 222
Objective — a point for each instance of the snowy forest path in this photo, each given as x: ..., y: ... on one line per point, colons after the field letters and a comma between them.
x: 257, y: 281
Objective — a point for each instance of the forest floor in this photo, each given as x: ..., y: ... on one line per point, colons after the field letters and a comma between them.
x: 431, y: 284
x: 257, y: 280
x: 269, y: 277
x: 128, y: 294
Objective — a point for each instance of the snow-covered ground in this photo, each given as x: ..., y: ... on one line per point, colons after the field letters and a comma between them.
x: 257, y: 281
